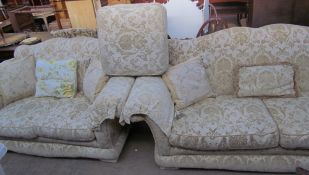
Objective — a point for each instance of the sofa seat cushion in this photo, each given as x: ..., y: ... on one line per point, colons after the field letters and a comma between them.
x: 64, y: 119
x: 225, y: 123
x: 292, y: 117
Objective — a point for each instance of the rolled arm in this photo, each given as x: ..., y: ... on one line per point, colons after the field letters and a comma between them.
x: 149, y: 96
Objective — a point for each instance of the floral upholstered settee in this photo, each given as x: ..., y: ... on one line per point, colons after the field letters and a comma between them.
x: 236, y: 99
x: 61, y: 127
x: 261, y: 133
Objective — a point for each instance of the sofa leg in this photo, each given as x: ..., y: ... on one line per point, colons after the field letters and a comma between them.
x: 301, y: 171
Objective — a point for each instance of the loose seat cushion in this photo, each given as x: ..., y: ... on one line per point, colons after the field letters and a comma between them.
x: 133, y: 39
x: 65, y: 119
x: 225, y: 123
x: 292, y: 117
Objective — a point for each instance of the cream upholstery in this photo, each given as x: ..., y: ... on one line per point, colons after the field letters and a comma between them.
x: 292, y: 117
x: 133, y: 39
x: 48, y: 117
x: 225, y: 124
x: 266, y: 81
x: 68, y: 127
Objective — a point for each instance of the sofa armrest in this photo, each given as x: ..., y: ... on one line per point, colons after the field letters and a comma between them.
x: 23, y: 51
x: 149, y: 96
x: 110, y: 101
x: 17, y: 80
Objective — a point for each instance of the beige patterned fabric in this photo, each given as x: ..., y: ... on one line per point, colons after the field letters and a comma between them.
x: 74, y: 32
x: 65, y: 119
x: 225, y: 124
x: 256, y: 163
x: 188, y: 83
x: 268, y: 80
x: 65, y: 150
x: 227, y: 49
x: 17, y: 80
x: 111, y: 100
x: 133, y: 39
x: 149, y: 96
x: 94, y: 80
x: 292, y: 117
x: 82, y: 49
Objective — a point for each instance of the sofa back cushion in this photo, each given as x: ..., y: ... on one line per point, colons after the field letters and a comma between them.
x: 82, y: 49
x: 227, y: 49
x: 17, y: 80
x: 133, y: 39
x: 266, y: 81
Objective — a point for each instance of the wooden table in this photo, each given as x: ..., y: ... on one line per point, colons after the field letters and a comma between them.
x: 264, y: 12
x: 8, y: 52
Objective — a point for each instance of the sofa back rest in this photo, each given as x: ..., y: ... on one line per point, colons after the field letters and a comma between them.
x: 83, y: 49
x: 133, y: 39
x: 223, y: 51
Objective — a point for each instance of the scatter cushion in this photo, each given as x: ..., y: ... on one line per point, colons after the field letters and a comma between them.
x: 225, y: 123
x: 17, y: 80
x: 269, y: 80
x: 188, y: 82
x: 56, y: 78
x: 95, y: 79
x: 292, y: 118
x: 133, y: 39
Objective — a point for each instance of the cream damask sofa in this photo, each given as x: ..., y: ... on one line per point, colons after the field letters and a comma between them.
x: 65, y: 127
x: 228, y: 132
x: 221, y: 131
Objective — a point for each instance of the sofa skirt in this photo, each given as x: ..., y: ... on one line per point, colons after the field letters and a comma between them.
x: 66, y: 150
x: 254, y: 163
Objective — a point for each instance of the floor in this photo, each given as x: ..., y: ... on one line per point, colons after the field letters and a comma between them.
x: 136, y: 159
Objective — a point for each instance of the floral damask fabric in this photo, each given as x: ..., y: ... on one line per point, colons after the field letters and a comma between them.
x: 133, y: 39
x: 225, y: 124
x: 188, y: 82
x: 94, y: 80
x: 268, y: 80
x: 82, y: 49
x: 74, y: 32
x: 149, y: 96
x: 65, y: 119
x: 292, y: 117
x: 56, y: 78
x: 17, y: 80
x: 67, y: 150
x: 111, y: 100
x: 224, y: 50
x: 256, y: 163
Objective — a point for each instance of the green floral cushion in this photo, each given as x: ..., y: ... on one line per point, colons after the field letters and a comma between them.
x: 56, y: 78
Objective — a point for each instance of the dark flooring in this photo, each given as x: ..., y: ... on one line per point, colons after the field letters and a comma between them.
x: 136, y: 159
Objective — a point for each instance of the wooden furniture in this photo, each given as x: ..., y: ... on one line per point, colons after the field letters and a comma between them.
x: 113, y: 2
x: 8, y: 52
x: 81, y: 13
x: 264, y: 12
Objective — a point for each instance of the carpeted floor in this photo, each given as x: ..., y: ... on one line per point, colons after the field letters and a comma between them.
x: 136, y: 159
